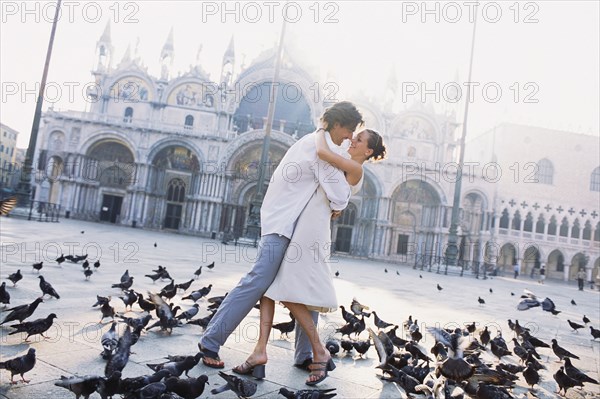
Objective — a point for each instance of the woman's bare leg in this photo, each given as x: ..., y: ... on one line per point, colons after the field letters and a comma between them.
x: 304, y: 318
x: 267, y: 311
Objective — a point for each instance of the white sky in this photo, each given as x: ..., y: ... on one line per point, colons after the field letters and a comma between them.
x: 559, y: 54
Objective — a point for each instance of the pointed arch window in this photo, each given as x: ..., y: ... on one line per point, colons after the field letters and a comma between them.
x: 528, y: 225
x: 504, y: 219
x: 564, y: 228
x: 189, y: 122
x: 539, y: 226
x: 575, y: 229
x: 516, y: 222
x: 176, y: 191
x: 595, y: 180
x: 552, y: 226
x: 587, y: 231
x: 545, y: 172
x: 128, y: 115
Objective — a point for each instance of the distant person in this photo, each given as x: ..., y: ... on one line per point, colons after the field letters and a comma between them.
x: 542, y: 274
x: 517, y: 268
x: 580, y: 278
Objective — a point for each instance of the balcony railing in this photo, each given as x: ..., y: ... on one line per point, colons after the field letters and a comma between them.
x: 143, y: 124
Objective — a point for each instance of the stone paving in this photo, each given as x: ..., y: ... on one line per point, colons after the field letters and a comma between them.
x: 74, y: 343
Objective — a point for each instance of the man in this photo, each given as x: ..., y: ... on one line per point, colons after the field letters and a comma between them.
x: 293, y: 183
x: 580, y: 278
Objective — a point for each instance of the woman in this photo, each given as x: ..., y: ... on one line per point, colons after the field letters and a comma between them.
x: 304, y: 280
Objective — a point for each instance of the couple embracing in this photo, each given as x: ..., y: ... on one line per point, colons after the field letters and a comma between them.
x: 311, y: 185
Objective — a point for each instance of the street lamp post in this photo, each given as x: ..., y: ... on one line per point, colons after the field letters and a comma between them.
x: 253, y: 221
x: 452, y: 248
x: 24, y: 188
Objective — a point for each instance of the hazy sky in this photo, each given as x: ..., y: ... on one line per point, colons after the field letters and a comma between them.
x: 544, y: 51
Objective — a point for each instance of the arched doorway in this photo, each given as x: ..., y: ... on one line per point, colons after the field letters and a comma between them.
x: 531, y: 261
x: 507, y: 257
x: 174, y: 168
x: 555, y: 266
x: 112, y: 164
x: 577, y: 262
x: 416, y: 216
x: 175, y: 199
x: 345, y: 225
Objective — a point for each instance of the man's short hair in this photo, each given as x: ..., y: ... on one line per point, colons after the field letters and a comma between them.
x: 345, y: 113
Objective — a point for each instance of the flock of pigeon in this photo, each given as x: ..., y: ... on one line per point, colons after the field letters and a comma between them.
x: 461, y: 363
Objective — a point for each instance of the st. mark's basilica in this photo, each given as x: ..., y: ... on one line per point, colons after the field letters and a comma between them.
x: 182, y: 154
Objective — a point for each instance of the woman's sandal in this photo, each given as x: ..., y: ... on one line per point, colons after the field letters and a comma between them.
x: 323, y: 367
x: 257, y: 371
x: 208, y: 354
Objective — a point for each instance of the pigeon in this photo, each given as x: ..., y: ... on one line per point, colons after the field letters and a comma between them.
x: 108, y: 387
x: 348, y: 317
x: 198, y: 294
x: 203, y: 322
x: 180, y: 367
x: 308, y: 393
x: 243, y: 388
x: 481, y: 301
x: 121, y: 356
x: 485, y: 336
x: 577, y: 374
x: 88, y: 273
x: 548, y: 306
x: 154, y: 277
x: 585, y: 320
x: 97, y: 264
x: 80, y: 386
x: 499, y: 351
x: 130, y: 385
x: 129, y: 299
x: 109, y: 341
x: 385, y: 270
x: 575, y: 326
x: 564, y: 381
x: 22, y: 312
x: 420, y: 276
x: 347, y: 345
x: 124, y: 285
x: 573, y: 302
x: 337, y: 273
x: 19, y: 365
x: 362, y: 346
x: 380, y: 323
x: 60, y: 259
x: 357, y: 308
x: 561, y: 352
x: 7, y: 205
x: 101, y: 300
x: 15, y: 277
x: 164, y: 313
x: 211, y: 266
x: 184, y: 286
x: 198, y: 272
x: 135, y: 323
x: 4, y: 295
x: 491, y: 291
x: 47, y: 288
x: 154, y: 390
x: 187, y: 388
x: 85, y: 264
x: 144, y: 304
x: 538, y: 343
x: 155, y: 245
x: 595, y: 332
x: 190, y: 313
x: 107, y: 311
x: 39, y: 326
x: 38, y: 266
x: 439, y: 288
x: 471, y: 328
x: 125, y: 276
x: 454, y: 367
x: 285, y: 327
x: 332, y: 346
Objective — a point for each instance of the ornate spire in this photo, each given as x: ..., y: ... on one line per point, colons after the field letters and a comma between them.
x: 104, y: 50
x: 228, y: 64
x: 166, y: 57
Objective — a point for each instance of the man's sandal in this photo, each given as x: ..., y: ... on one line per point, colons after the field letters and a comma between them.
x: 210, y: 355
x: 257, y: 371
x: 320, y: 370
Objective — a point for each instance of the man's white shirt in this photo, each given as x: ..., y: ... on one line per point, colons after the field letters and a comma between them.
x: 295, y: 180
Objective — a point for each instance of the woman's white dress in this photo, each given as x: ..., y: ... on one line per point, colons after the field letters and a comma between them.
x: 304, y: 275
